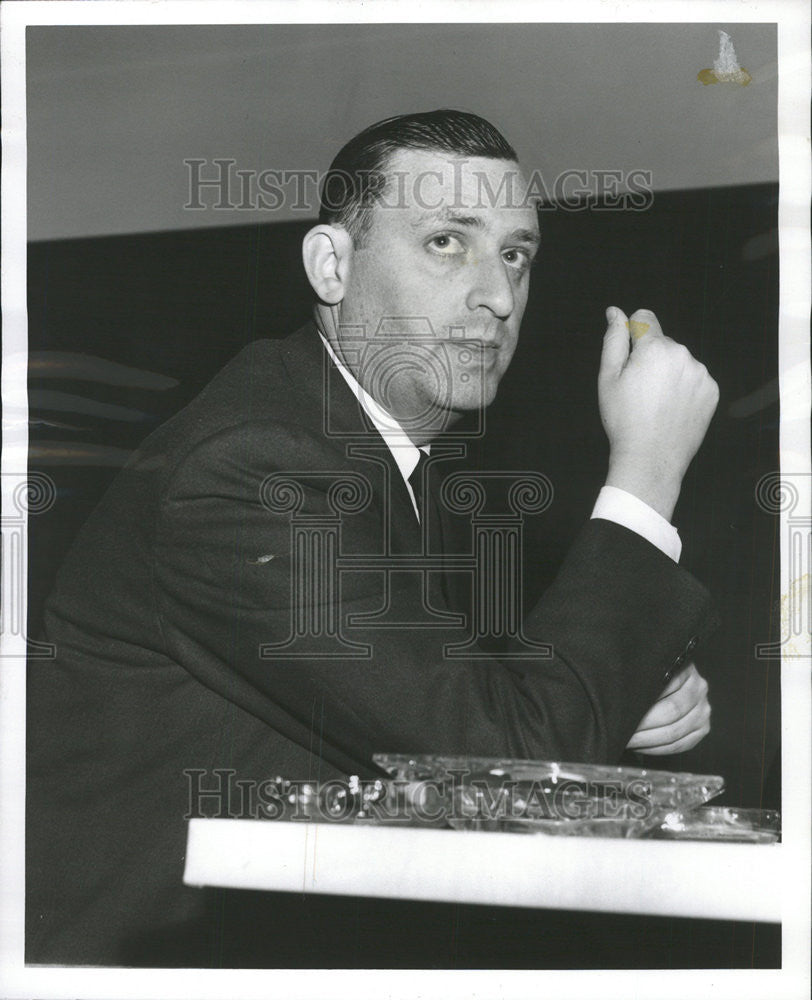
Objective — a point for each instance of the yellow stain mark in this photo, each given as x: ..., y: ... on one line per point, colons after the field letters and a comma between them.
x: 740, y: 76
x: 638, y: 329
x: 792, y: 605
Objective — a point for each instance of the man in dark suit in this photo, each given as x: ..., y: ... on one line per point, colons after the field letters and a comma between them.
x: 262, y: 589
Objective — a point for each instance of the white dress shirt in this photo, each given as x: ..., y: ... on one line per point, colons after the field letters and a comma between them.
x: 613, y: 504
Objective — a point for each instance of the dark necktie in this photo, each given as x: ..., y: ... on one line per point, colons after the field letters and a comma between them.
x: 436, y: 526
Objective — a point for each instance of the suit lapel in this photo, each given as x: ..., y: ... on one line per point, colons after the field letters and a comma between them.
x: 334, y: 410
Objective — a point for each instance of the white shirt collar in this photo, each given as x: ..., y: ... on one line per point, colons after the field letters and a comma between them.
x: 404, y: 451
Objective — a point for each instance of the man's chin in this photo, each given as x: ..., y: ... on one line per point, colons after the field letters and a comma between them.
x: 477, y: 395
x: 467, y: 399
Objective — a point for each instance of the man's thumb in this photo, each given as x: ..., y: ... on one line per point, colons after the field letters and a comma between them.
x: 615, y: 343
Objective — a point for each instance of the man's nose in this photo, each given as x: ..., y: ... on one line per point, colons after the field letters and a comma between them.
x: 491, y: 287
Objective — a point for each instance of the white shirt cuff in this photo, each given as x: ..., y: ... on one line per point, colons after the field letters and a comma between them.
x: 626, y: 509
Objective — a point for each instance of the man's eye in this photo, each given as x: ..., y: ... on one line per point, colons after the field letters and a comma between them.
x: 519, y: 259
x: 446, y: 244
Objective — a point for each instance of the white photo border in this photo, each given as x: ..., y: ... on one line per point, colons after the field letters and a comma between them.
x: 792, y: 980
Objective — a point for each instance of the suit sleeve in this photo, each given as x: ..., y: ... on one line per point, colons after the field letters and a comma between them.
x: 232, y: 611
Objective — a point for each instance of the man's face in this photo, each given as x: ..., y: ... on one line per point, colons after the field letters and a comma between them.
x: 437, y: 291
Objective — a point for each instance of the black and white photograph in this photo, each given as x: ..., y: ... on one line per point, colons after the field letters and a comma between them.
x: 406, y: 500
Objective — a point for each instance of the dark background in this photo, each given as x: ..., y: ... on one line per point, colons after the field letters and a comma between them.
x: 182, y: 303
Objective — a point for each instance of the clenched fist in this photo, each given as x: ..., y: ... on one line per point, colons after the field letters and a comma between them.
x: 656, y: 401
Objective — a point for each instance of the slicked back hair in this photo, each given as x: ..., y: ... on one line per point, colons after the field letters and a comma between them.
x: 358, y: 174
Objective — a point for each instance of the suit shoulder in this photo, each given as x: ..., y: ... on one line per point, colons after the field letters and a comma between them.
x: 254, y: 388
x: 263, y: 443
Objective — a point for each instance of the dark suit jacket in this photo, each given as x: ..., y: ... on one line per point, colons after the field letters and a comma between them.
x: 184, y: 572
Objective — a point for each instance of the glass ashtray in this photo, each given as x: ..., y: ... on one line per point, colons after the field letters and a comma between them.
x: 725, y: 823
x: 563, y: 799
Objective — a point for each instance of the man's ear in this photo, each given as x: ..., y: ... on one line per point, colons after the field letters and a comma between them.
x: 327, y: 254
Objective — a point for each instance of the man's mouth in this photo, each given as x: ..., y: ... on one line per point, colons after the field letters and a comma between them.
x: 479, y: 347
x: 478, y: 356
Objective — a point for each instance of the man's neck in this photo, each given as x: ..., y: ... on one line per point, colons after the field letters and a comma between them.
x: 389, y: 415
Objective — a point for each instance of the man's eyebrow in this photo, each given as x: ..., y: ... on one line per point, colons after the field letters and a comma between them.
x: 531, y: 236
x: 447, y: 215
